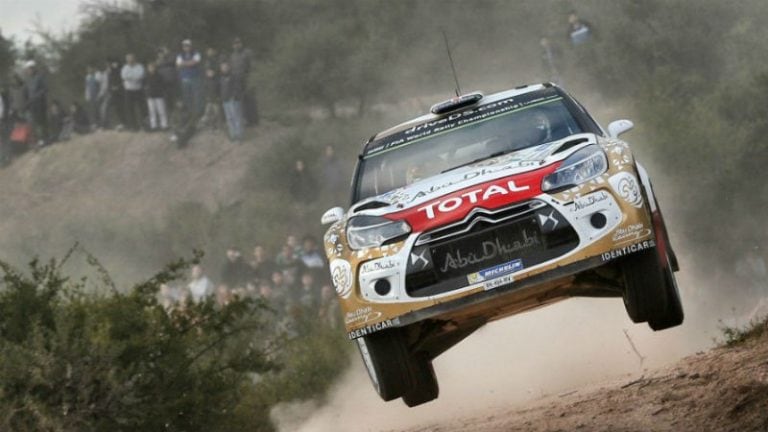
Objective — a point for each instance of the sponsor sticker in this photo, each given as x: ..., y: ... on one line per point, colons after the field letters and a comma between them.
x: 377, y: 265
x: 628, y: 188
x: 632, y: 233
x: 341, y: 276
x: 589, y: 201
x: 361, y: 316
x: 626, y: 250
x: 373, y: 328
x: 496, y: 276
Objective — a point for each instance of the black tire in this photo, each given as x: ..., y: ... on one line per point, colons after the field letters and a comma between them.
x: 386, y: 359
x: 673, y: 314
x: 424, y: 388
x: 644, y: 285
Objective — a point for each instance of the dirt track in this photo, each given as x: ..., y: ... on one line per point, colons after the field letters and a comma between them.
x: 725, y: 389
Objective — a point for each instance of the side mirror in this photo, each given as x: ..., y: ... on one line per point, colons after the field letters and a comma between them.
x: 618, y: 127
x: 332, y: 216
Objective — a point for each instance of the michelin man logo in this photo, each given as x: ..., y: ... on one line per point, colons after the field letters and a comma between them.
x: 627, y: 186
x: 341, y: 276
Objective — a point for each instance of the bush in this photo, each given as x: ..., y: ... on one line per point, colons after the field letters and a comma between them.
x: 74, y: 358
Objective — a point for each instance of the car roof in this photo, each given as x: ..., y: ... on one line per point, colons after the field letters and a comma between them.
x: 486, y: 100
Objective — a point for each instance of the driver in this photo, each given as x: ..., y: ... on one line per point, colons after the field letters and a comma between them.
x: 543, y: 127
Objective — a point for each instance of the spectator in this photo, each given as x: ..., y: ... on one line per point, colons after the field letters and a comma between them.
x: 166, y: 68
x: 212, y: 59
x: 231, y: 94
x: 328, y: 308
x: 293, y: 241
x: 115, y: 111
x: 308, y: 292
x: 104, y: 95
x: 240, y: 61
x: 223, y: 295
x: 36, y: 97
x: 265, y: 291
x: 310, y: 254
x: 301, y: 185
x: 55, y: 123
x: 200, y: 287
x: 550, y: 60
x: 81, y: 123
x: 288, y: 262
x: 18, y: 98
x: 188, y: 65
x: 332, y: 170
x: 92, y: 91
x: 212, y: 114
x: 261, y: 266
x: 4, y: 126
x: 235, y: 272
x: 133, y: 83
x: 579, y: 31
x: 281, y: 288
x: 155, y: 88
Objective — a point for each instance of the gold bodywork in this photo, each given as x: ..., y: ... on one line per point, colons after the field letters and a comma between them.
x: 362, y: 316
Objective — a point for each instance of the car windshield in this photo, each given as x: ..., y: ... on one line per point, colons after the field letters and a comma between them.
x: 462, y: 138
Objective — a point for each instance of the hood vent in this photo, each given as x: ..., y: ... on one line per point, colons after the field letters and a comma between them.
x: 570, y: 144
x: 370, y: 205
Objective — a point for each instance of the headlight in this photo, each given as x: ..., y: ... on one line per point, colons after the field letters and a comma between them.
x: 579, y: 167
x: 373, y: 231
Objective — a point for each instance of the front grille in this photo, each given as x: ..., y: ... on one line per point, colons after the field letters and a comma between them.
x: 484, y: 243
x: 482, y: 217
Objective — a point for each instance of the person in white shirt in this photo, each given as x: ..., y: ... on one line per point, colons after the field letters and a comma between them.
x: 200, y: 287
x: 133, y: 83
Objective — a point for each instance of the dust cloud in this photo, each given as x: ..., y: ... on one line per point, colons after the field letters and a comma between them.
x: 557, y: 349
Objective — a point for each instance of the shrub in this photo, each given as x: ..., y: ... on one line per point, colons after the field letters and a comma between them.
x: 74, y: 359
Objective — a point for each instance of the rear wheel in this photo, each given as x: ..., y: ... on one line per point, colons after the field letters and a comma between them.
x: 424, y: 388
x: 386, y: 358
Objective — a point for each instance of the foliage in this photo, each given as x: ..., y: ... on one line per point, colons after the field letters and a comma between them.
x: 74, y: 360
x: 7, y: 55
x: 738, y: 335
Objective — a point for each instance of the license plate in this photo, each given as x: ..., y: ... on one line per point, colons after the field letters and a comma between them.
x: 495, y: 283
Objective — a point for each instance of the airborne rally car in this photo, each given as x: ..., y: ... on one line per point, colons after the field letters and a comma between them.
x: 488, y: 207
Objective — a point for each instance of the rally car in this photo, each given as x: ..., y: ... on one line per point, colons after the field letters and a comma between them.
x: 487, y: 207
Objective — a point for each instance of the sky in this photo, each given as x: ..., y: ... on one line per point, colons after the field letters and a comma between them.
x: 17, y: 16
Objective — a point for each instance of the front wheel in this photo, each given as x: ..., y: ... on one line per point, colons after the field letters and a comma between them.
x: 650, y: 290
x: 386, y: 358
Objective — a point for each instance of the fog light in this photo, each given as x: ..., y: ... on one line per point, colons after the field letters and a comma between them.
x: 382, y: 287
x: 598, y: 220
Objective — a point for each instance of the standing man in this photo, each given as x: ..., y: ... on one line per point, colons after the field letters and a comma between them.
x: 116, y: 97
x: 155, y: 88
x: 240, y: 62
x: 231, y: 99
x: 133, y: 80
x: 166, y: 68
x: 92, y: 91
x: 36, y: 95
x: 188, y: 65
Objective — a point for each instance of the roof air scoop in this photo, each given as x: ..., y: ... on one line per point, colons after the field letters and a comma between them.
x: 456, y: 103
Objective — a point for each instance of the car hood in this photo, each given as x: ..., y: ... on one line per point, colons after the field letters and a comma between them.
x: 518, y: 162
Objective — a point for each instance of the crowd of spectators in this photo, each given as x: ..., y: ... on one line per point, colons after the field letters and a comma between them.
x: 180, y: 93
x: 293, y: 282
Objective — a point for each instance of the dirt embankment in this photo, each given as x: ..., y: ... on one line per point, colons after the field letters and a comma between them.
x: 725, y: 389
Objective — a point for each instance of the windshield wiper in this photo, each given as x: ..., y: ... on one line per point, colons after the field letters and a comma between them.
x: 492, y: 155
